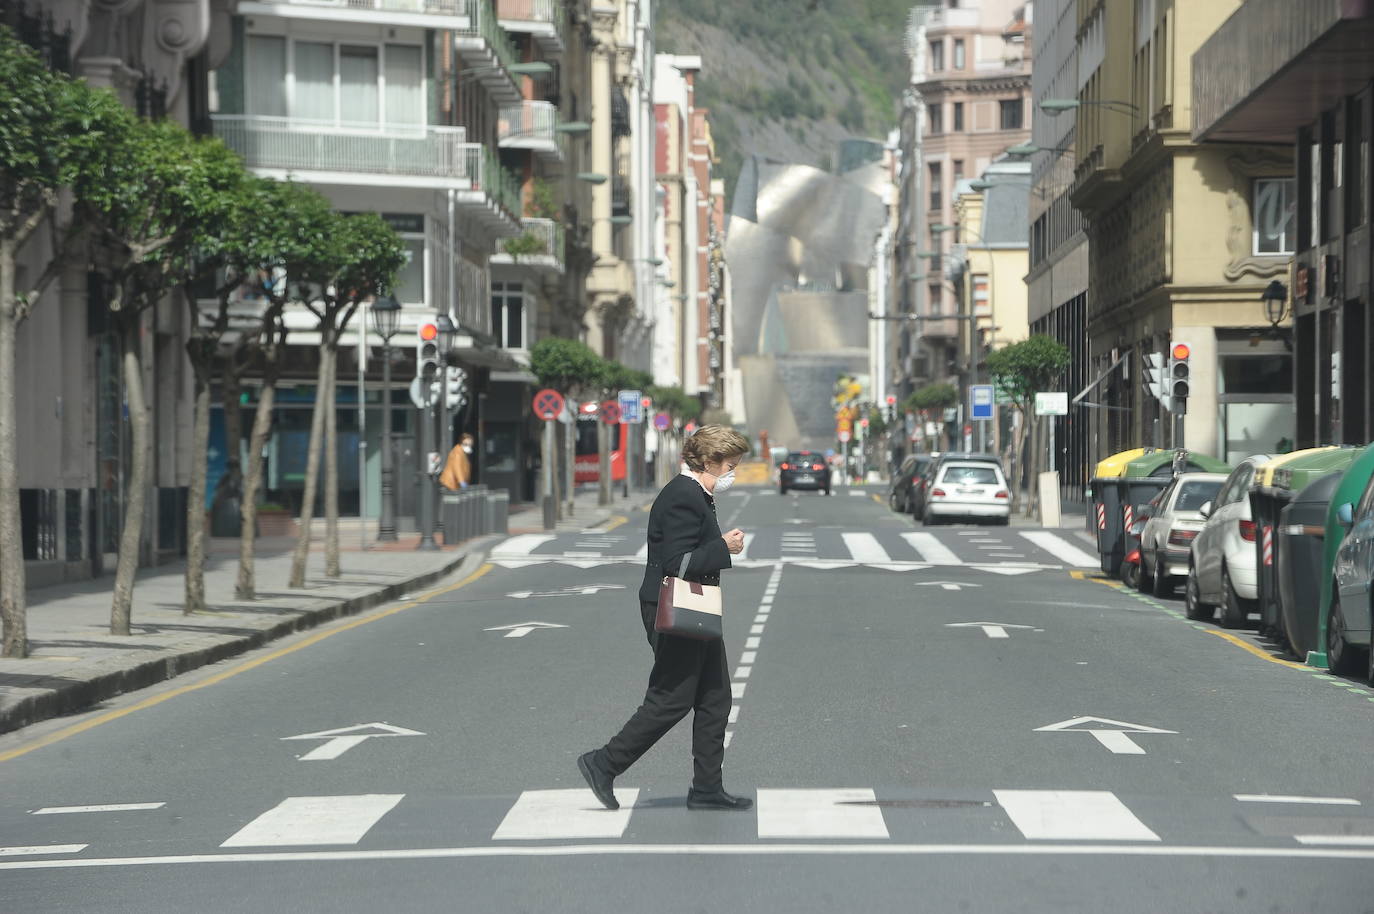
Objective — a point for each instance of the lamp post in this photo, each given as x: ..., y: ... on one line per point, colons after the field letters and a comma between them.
x: 385, y: 313
x: 1275, y: 297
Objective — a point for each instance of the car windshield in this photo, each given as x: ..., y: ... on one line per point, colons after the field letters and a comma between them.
x: 970, y: 475
x: 1193, y: 495
x: 804, y: 458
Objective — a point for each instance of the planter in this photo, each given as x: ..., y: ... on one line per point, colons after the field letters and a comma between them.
x: 276, y: 523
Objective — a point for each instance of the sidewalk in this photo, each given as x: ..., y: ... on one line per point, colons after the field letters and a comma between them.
x: 75, y: 662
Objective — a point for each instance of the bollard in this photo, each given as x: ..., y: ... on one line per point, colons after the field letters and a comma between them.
x: 448, y: 517
x: 500, y: 511
x: 550, y: 513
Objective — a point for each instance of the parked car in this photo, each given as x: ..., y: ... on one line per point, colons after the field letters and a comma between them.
x: 804, y: 470
x: 1350, y: 527
x: 1221, y: 570
x: 909, y: 477
x: 937, y: 461
x: 1169, y: 533
x: 968, y: 488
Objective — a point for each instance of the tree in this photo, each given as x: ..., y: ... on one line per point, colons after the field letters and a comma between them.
x: 52, y: 130
x: 364, y: 257
x: 1020, y: 371
x: 162, y: 194
x: 567, y: 366
x: 932, y: 397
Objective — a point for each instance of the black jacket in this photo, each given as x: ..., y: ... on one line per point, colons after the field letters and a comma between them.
x: 683, y: 519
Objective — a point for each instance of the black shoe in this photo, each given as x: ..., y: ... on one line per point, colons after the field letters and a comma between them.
x: 597, y: 779
x: 716, y: 799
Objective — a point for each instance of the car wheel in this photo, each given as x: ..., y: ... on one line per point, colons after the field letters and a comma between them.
x: 1130, y: 574
x: 1001, y: 521
x: 1141, y: 579
x: 928, y: 519
x: 1193, y: 607
x: 1233, y: 610
x: 1163, y: 584
x: 1340, y: 653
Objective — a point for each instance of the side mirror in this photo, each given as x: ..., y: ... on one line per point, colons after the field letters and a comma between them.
x: 1345, y: 515
x: 1206, y: 509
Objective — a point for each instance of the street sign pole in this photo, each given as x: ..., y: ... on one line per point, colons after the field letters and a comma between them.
x: 427, y: 489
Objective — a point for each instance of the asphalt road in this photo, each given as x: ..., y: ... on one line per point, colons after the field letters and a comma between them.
x: 931, y: 719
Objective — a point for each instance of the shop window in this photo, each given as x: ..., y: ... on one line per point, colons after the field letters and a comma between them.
x: 1274, y: 209
x: 1256, y: 374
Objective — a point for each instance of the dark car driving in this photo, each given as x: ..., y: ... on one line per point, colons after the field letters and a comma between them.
x: 907, y: 481
x: 804, y: 470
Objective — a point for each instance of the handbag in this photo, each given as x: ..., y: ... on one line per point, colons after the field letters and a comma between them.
x: 688, y: 609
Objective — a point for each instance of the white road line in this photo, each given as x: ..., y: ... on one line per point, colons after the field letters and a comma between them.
x: 1280, y: 798
x: 109, y: 807
x: 864, y: 547
x: 38, y: 849
x: 819, y: 814
x: 315, y: 820
x: 931, y: 549
x: 543, y: 814
x: 1336, y: 840
x: 751, y: 643
x: 1061, y: 548
x: 734, y: 714
x: 523, y: 544
x: 748, y: 656
x: 743, y: 672
x: 729, y: 738
x: 756, y: 629
x: 1094, y: 815
x: 737, y: 690
x: 643, y: 552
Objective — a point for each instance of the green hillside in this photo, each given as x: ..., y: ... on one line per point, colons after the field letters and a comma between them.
x: 790, y: 78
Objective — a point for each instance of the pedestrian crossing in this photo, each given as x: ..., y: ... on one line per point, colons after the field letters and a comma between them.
x: 780, y: 814
x: 1010, y: 551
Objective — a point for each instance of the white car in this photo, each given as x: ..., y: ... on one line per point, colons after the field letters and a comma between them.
x: 1169, y: 532
x: 975, y: 490
x: 1222, y: 571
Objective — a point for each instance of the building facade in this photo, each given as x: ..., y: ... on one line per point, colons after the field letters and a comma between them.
x: 1297, y: 80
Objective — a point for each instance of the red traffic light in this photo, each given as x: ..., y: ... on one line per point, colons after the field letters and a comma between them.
x: 891, y: 400
x: 646, y: 402
x: 1181, y: 351
x: 429, y: 332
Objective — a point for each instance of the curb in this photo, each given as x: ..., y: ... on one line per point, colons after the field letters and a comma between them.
x: 73, y: 696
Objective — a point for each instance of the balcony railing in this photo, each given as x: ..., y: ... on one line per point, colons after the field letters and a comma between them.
x: 484, y: 27
x: 531, y: 120
x: 621, y: 203
x: 544, y: 19
x: 386, y: 149
x: 539, y: 238
x: 499, y: 184
x: 428, y: 7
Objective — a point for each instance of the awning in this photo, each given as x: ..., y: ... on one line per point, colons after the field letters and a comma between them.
x: 468, y: 350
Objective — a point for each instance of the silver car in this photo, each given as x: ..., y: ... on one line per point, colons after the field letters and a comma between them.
x: 1169, y: 533
x: 1222, y: 569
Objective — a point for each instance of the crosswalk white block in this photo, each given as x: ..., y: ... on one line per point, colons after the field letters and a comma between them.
x: 839, y: 813
x: 1061, y: 548
x: 931, y: 549
x: 1077, y: 815
x: 543, y: 814
x: 298, y: 821
x: 864, y: 547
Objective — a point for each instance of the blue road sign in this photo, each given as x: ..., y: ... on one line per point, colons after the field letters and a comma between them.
x: 980, y: 401
x: 631, y: 406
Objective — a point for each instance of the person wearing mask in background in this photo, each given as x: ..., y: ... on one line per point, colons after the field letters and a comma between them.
x: 458, y: 467
x: 688, y: 674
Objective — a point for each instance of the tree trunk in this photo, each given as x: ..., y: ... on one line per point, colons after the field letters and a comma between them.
x: 231, y: 483
x: 603, y: 462
x: 570, y: 462
x: 246, y: 587
x: 121, y: 607
x: 312, y: 469
x: 195, y: 496
x: 331, y: 469
x: 12, y: 603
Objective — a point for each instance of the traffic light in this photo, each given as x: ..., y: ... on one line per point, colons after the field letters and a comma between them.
x: 427, y: 360
x: 454, y: 394
x: 891, y: 409
x: 1179, y: 375
x: 1152, y: 378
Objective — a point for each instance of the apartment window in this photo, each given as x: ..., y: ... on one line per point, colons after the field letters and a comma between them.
x: 958, y: 53
x: 936, y: 185
x: 508, y: 314
x: 958, y: 170
x: 1011, y: 111
x: 336, y: 84
x: 980, y: 294
x: 937, y: 305
x: 1274, y: 205
x: 958, y: 117
x: 937, y: 56
x: 936, y: 112
x: 267, y: 75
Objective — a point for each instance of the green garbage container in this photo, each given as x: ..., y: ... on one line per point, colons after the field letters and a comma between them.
x: 1351, y: 486
x: 1104, y: 518
x: 1298, y: 562
x: 1146, y: 476
x: 1275, y: 485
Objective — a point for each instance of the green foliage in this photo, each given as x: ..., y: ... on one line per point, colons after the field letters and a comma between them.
x: 877, y: 421
x: 932, y: 396
x: 567, y: 366
x: 528, y: 243
x: 541, y: 203
x: 676, y: 402
x: 374, y: 255
x: 1022, y: 369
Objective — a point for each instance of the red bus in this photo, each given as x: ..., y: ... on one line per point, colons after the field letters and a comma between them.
x: 587, y: 459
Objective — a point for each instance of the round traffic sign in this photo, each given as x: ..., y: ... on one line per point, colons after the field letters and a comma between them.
x: 662, y: 421
x: 844, y: 436
x: 610, y: 412
x: 548, y: 404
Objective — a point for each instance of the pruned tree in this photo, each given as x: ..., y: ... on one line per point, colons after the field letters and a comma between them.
x: 52, y: 131
x: 367, y: 254
x: 569, y: 367
x: 1020, y: 371
x: 931, y: 401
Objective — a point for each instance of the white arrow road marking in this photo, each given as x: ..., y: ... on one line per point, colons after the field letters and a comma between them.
x: 1280, y: 798
x: 523, y: 544
x: 1008, y: 569
x: 35, y: 849
x: 344, y: 738
x: 109, y: 807
x: 565, y: 591
x: 521, y: 629
x: 947, y: 585
x: 1114, y: 739
x: 991, y: 629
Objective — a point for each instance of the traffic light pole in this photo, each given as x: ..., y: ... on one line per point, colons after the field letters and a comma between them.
x: 386, y: 526
x: 427, y: 490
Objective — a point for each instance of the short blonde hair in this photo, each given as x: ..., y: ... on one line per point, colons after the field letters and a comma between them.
x: 713, y: 444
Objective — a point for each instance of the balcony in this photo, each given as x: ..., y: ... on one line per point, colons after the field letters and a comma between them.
x: 531, y: 125
x: 940, y: 329
x: 433, y: 14
x: 538, y: 248
x: 543, y: 19
x: 488, y: 54
x: 392, y: 155
x: 620, y: 196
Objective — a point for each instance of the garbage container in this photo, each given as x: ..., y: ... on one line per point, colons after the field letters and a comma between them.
x: 1275, y: 484
x: 1298, y: 565
x: 1146, y: 476
x: 1351, y: 487
x: 1105, y: 516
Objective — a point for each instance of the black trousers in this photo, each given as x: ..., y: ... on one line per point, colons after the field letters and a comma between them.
x: 688, y: 675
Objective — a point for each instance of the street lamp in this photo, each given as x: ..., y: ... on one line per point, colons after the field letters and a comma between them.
x: 1030, y: 149
x: 448, y: 335
x: 386, y: 313
x: 1057, y: 106
x: 1275, y: 297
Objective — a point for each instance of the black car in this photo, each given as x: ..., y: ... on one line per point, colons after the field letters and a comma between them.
x: 804, y: 470
x: 907, y: 481
x: 918, y: 493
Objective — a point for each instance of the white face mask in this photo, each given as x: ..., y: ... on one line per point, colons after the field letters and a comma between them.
x: 723, y: 483
x: 467, y: 449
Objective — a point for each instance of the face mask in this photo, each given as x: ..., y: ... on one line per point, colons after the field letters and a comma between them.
x: 723, y: 483
x: 467, y: 449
